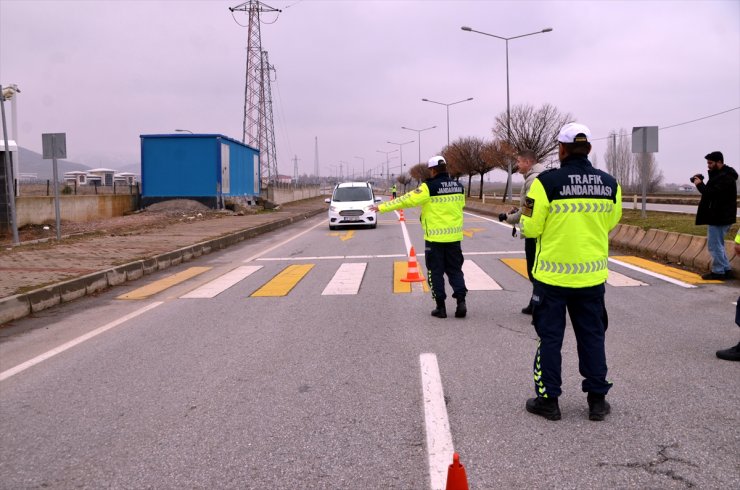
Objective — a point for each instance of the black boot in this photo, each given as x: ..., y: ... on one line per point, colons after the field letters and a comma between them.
x: 527, y: 310
x: 731, y: 354
x: 441, y: 310
x: 544, y: 407
x: 462, y: 308
x: 598, y: 407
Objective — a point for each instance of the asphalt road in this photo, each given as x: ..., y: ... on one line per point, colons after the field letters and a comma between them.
x: 312, y: 390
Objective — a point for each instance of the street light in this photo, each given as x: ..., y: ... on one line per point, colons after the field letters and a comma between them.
x: 363, y: 167
x: 448, y: 112
x: 387, y: 161
x: 400, y: 148
x: 508, y: 110
x: 183, y: 131
x: 418, y: 131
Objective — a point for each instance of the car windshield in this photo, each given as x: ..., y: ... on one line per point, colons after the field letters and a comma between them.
x: 343, y: 194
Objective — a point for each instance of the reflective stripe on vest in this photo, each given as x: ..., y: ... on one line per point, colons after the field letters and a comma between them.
x: 449, y: 198
x: 444, y: 231
x: 603, y: 207
x: 565, y: 268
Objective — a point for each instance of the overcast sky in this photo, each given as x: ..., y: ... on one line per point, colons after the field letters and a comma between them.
x: 353, y: 72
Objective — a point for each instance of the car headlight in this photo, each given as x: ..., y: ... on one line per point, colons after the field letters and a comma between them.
x: 333, y: 208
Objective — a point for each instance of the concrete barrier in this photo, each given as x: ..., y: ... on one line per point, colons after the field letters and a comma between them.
x: 696, y: 245
x: 649, y: 237
x: 678, y: 248
x: 670, y: 240
x: 702, y: 261
x: 37, y: 210
x: 652, y: 247
x: 637, y: 238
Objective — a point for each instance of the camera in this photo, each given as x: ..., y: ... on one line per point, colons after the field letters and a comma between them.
x: 502, y: 217
x: 697, y: 176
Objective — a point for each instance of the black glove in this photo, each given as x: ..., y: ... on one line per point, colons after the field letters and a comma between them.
x: 502, y: 217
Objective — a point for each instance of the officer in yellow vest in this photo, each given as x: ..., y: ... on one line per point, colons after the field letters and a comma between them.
x: 570, y: 212
x: 442, y: 200
x: 394, y: 190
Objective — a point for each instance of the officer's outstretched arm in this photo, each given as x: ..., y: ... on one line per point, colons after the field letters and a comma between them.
x: 535, y: 210
x: 417, y: 197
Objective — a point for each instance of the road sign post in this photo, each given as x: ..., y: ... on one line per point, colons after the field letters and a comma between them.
x: 54, y: 145
x: 644, y: 141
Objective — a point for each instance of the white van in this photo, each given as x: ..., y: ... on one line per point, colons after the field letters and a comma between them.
x: 350, y: 205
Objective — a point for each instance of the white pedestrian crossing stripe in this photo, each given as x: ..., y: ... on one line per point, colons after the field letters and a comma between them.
x: 620, y: 280
x: 476, y: 279
x: 346, y: 280
x: 221, y: 284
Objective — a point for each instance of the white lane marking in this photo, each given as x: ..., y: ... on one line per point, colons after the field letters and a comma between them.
x: 333, y: 257
x: 221, y: 284
x: 346, y: 280
x: 620, y: 280
x: 653, y: 274
x: 68, y: 345
x: 505, y: 252
x: 494, y: 221
x: 406, y: 238
x: 255, y: 256
x: 439, y: 438
x: 476, y: 279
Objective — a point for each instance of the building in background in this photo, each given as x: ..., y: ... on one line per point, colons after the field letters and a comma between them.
x: 204, y: 167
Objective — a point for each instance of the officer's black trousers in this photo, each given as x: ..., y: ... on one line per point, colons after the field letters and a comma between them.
x: 530, y: 250
x: 588, y: 315
x: 441, y: 259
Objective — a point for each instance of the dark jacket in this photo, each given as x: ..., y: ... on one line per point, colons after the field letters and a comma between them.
x: 718, y: 204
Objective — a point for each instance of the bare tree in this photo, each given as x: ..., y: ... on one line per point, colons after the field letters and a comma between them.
x: 497, y: 154
x: 464, y: 157
x: 531, y: 129
x: 404, y: 179
x: 420, y: 172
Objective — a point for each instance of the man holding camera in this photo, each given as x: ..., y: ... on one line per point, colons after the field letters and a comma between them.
x: 527, y: 163
x: 718, y: 210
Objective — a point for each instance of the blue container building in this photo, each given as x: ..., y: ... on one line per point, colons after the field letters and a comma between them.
x: 203, y: 167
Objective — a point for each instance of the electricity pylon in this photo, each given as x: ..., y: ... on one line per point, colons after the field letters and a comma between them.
x: 255, y: 129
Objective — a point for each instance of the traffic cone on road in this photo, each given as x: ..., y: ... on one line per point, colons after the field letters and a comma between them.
x: 456, y: 477
x: 412, y: 273
x: 401, y: 218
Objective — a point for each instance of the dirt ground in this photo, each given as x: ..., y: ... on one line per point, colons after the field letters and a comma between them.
x: 158, y: 215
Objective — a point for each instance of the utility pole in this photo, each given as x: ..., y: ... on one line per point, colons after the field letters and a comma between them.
x: 295, y: 169
x: 316, y: 171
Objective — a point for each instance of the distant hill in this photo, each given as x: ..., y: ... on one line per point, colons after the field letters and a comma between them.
x: 34, y: 163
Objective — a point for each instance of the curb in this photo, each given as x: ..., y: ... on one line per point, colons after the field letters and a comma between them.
x: 21, y: 305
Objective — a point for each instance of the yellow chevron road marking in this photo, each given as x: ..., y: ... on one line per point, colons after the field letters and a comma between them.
x: 159, y: 286
x: 518, y: 265
x: 281, y: 284
x: 673, y: 272
x: 472, y: 231
x: 345, y: 235
x: 400, y: 269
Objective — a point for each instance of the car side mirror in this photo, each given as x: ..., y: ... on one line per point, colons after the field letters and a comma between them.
x: 378, y: 199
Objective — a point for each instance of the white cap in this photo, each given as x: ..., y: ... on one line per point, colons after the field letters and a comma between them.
x: 571, y: 131
x: 436, y: 160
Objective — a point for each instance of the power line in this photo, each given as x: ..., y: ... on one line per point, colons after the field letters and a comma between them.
x: 679, y: 124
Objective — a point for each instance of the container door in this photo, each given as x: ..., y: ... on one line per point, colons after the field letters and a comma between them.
x: 225, y: 164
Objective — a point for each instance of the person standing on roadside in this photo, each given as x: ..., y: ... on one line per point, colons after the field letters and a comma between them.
x: 733, y: 353
x: 570, y: 212
x: 442, y: 200
x: 394, y: 190
x: 718, y: 210
x: 530, y: 169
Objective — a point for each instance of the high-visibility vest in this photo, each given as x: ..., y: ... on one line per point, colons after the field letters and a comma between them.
x: 570, y: 211
x: 442, y: 200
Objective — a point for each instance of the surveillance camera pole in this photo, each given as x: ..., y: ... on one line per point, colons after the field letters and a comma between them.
x: 9, y: 178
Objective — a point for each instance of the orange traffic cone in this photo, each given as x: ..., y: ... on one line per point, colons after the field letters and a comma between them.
x: 456, y: 477
x: 402, y: 218
x: 412, y: 273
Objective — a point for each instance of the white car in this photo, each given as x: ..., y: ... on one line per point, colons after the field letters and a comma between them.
x: 350, y: 204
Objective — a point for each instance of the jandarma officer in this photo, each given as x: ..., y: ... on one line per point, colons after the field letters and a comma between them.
x: 442, y: 200
x: 570, y: 212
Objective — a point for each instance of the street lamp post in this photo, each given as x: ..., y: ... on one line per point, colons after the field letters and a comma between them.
x: 418, y: 131
x: 387, y: 161
x: 448, y: 112
x: 508, y: 110
x: 400, y: 149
